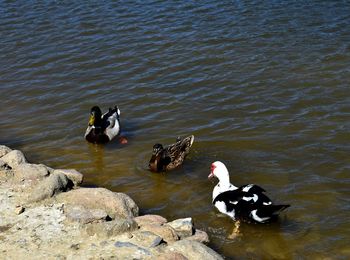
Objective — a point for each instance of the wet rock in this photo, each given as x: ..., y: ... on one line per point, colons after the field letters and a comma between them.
x: 73, y: 175
x: 14, y: 158
x: 182, y: 226
x: 193, y: 250
x: 4, y: 150
x: 166, y: 232
x: 83, y: 215
x: 49, y: 187
x: 111, y: 228
x: 199, y: 236
x: 150, y: 219
x: 28, y: 171
x: 116, y: 205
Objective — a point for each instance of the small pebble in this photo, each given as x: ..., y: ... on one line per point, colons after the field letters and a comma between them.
x: 75, y: 246
x: 19, y: 210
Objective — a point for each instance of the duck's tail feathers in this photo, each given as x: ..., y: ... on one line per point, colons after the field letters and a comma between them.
x: 114, y: 110
x: 267, y: 213
x: 272, y: 209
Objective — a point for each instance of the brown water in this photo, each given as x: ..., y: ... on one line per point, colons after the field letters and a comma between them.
x: 263, y: 86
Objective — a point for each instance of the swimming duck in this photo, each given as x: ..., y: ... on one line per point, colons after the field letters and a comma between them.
x: 103, y: 128
x: 247, y: 203
x: 172, y: 156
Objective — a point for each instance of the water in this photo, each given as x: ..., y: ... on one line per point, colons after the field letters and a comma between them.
x: 263, y: 86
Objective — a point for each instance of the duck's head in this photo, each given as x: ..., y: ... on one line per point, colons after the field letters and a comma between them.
x: 219, y: 170
x: 157, y: 148
x: 95, y: 115
x: 156, y: 155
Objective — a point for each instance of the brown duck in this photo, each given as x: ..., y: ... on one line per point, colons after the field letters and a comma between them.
x: 170, y: 157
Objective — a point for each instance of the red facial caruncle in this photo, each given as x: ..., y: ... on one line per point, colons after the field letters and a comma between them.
x: 212, y: 168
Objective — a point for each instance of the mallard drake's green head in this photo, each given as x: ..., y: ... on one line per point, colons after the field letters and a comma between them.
x: 95, y: 116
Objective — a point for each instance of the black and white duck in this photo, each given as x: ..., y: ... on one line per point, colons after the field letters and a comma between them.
x: 246, y: 203
x: 103, y: 128
x: 171, y: 156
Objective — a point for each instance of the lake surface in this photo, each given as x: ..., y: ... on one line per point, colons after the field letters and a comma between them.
x: 263, y: 85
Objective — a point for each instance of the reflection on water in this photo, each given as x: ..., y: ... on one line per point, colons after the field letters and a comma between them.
x: 263, y: 86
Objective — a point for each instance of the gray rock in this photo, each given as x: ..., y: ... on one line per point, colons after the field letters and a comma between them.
x: 14, y: 158
x: 150, y: 219
x: 193, y: 250
x: 116, y: 205
x: 49, y: 187
x: 75, y: 176
x: 28, y: 171
x: 182, y: 226
x: 83, y: 215
x: 111, y: 228
x: 166, y: 232
x: 199, y: 236
x: 4, y: 150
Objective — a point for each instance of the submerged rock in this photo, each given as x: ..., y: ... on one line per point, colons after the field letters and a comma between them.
x: 116, y: 205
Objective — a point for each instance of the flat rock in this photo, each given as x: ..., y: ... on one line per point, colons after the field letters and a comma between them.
x: 199, y: 236
x: 150, y: 219
x: 28, y: 171
x: 83, y: 215
x: 111, y: 228
x: 116, y: 205
x: 73, y: 175
x: 166, y: 232
x: 49, y: 187
x: 182, y: 226
x: 14, y: 158
x: 193, y: 250
x: 4, y: 150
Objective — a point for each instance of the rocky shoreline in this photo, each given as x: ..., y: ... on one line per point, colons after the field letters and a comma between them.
x: 44, y: 213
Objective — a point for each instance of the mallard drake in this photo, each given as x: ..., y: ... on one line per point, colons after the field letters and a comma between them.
x: 170, y: 157
x: 103, y: 128
x: 247, y: 203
